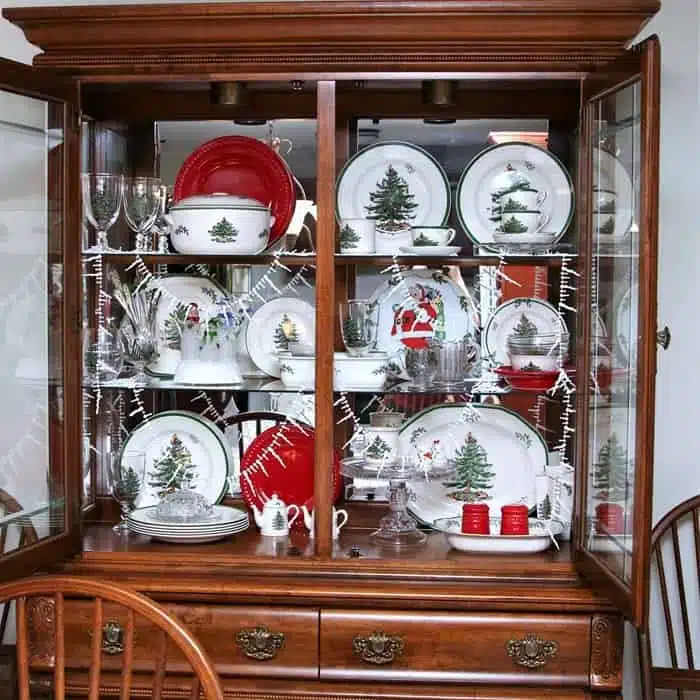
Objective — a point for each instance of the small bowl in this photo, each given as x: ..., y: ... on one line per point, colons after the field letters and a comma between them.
x: 298, y: 371
x: 541, y: 344
x: 367, y: 373
x: 535, y: 363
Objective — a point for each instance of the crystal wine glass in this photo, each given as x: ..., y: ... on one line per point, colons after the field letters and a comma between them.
x: 142, y: 200
x: 102, y: 198
x: 357, y: 326
x: 126, y: 475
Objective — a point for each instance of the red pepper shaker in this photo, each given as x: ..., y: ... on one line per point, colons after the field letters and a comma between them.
x: 475, y: 519
x: 514, y: 520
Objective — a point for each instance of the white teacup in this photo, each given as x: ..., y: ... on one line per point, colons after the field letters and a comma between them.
x: 382, y: 445
x: 604, y: 201
x: 431, y: 235
x: 526, y: 199
x: 357, y: 236
x: 522, y: 222
x: 340, y: 517
x: 604, y: 224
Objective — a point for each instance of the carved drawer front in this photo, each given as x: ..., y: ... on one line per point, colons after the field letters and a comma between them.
x: 251, y: 641
x: 432, y: 647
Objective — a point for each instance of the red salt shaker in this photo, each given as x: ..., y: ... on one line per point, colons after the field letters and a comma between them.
x: 514, y: 520
x: 610, y: 519
x: 475, y: 519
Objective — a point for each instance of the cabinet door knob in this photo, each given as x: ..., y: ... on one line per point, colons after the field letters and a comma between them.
x: 531, y: 652
x: 378, y: 648
x: 259, y: 643
x: 663, y: 337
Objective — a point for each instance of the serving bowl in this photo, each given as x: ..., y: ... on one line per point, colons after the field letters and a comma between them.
x: 219, y: 224
x: 540, y: 344
x: 297, y: 371
x: 366, y: 372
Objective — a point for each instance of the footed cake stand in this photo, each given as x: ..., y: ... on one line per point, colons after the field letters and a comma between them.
x: 398, y: 528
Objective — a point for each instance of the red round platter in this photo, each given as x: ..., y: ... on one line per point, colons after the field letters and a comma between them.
x: 530, y: 381
x: 292, y: 478
x: 243, y: 166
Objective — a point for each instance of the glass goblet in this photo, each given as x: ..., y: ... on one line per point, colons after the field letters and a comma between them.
x: 102, y: 199
x: 140, y: 347
x: 357, y: 326
x: 126, y: 474
x: 142, y: 200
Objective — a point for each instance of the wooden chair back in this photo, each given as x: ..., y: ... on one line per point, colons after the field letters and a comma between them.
x: 169, y: 631
x: 675, y: 576
x: 250, y: 424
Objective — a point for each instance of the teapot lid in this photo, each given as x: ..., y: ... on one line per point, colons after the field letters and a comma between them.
x: 274, y: 501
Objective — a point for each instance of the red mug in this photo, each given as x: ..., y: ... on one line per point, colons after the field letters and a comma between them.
x: 514, y: 520
x: 475, y: 519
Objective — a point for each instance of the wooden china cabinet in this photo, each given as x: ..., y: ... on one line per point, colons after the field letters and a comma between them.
x: 317, y: 616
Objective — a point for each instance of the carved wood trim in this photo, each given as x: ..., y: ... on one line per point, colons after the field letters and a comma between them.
x: 335, y: 35
x: 41, y: 630
x: 607, y: 640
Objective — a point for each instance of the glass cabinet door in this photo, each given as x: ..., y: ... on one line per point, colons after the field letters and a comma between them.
x: 616, y: 449
x: 38, y: 489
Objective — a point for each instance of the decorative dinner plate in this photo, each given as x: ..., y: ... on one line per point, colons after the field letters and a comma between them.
x: 540, y: 537
x: 222, y: 517
x: 432, y: 250
x: 425, y: 304
x: 508, y: 315
x: 179, y: 294
x: 613, y: 199
x: 534, y: 177
x: 496, y: 455
x: 181, y: 448
x: 625, y: 326
x: 273, y: 326
x: 396, y: 183
x: 243, y: 166
x: 281, y: 461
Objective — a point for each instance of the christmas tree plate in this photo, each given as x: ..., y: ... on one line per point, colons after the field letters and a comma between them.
x: 416, y: 307
x: 431, y: 250
x: 181, y: 448
x: 625, y: 326
x: 179, y: 294
x: 222, y: 517
x: 541, y: 188
x: 243, y: 166
x: 496, y: 456
x: 273, y: 326
x: 613, y: 200
x: 540, y: 537
x: 523, y: 310
x: 397, y: 184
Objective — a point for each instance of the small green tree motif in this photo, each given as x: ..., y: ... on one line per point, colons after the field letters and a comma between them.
x: 378, y: 448
x: 173, y: 470
x: 285, y: 332
x: 173, y: 326
x: 474, y: 473
x: 525, y: 328
x: 422, y: 240
x: 511, y: 205
x: 607, y: 228
x: 223, y: 232
x: 392, y: 203
x: 512, y: 225
x: 545, y: 509
x: 278, y: 521
x: 355, y: 333
x: 610, y: 471
x: 348, y: 238
x: 127, y: 487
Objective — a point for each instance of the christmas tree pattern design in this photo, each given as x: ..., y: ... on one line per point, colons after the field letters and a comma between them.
x: 378, y: 448
x: 512, y: 225
x: 278, y: 521
x: 392, y: 203
x: 525, y: 328
x: 348, y: 238
x: 423, y: 240
x: 475, y: 475
x: 173, y: 470
x: 285, y: 332
x: 610, y: 471
x: 223, y: 232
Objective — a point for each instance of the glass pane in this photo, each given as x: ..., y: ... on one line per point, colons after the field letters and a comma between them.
x: 31, y: 308
x: 614, y: 336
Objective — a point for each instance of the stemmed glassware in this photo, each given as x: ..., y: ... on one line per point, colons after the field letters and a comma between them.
x: 358, y: 326
x: 126, y: 474
x: 142, y: 197
x: 102, y: 199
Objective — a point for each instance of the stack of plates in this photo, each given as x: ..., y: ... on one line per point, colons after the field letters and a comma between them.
x: 224, y: 521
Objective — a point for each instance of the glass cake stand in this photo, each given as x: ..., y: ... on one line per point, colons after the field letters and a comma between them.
x: 398, y: 528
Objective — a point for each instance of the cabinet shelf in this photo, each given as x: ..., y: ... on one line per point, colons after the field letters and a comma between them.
x: 552, y: 260
x: 127, y: 258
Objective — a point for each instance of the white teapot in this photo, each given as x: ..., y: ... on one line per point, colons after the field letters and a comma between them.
x: 340, y: 517
x: 274, y: 519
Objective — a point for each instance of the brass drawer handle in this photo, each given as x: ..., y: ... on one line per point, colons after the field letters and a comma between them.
x: 259, y: 643
x: 378, y: 648
x: 112, y: 638
x: 531, y: 652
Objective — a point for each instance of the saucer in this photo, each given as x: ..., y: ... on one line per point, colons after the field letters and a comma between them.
x: 431, y: 250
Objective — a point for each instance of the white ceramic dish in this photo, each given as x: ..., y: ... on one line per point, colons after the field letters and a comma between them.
x: 504, y: 168
x: 213, y: 373
x: 297, y: 371
x: 540, y: 537
x: 433, y: 250
x: 202, y: 442
x: 222, y: 516
x: 507, y: 316
x: 366, y: 373
x: 273, y: 325
x: 535, y: 363
x: 515, y: 451
x: 625, y: 326
x: 611, y: 176
x: 219, y: 224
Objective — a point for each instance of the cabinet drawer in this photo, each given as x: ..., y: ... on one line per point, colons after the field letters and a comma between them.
x: 250, y: 641
x: 433, y: 647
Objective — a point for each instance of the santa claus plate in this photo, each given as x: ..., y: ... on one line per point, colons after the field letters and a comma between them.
x: 496, y: 455
x: 421, y: 306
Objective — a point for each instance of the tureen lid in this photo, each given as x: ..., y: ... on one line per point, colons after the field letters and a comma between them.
x: 218, y: 200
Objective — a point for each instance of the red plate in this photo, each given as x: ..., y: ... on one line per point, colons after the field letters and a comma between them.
x: 528, y: 381
x: 242, y: 166
x: 292, y: 479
